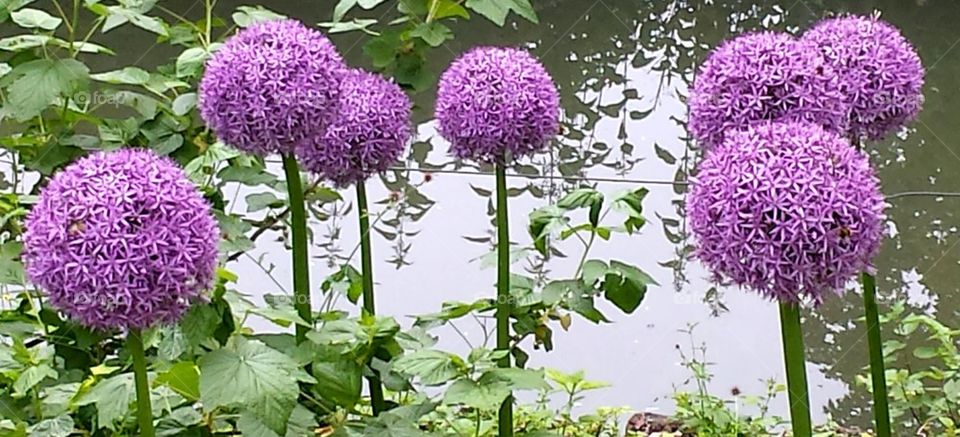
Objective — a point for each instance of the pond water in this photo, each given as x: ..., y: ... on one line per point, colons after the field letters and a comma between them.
x: 623, y: 67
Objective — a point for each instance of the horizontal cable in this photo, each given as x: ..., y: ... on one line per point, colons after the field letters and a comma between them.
x: 637, y: 181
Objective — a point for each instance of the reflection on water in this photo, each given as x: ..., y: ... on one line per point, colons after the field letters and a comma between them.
x: 623, y: 67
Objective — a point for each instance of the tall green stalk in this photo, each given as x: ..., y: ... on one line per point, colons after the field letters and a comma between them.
x: 881, y: 411
x: 796, y: 363
x: 369, y: 306
x: 144, y: 412
x: 503, y: 295
x: 298, y: 230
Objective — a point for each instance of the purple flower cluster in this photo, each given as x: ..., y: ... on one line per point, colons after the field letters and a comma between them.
x: 497, y: 104
x: 880, y: 72
x: 369, y: 134
x: 121, y: 240
x: 787, y: 209
x: 764, y: 76
x: 271, y: 87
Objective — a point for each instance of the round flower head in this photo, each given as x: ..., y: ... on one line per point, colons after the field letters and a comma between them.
x: 368, y: 135
x: 880, y: 73
x: 271, y: 87
x: 121, y: 240
x: 787, y: 209
x: 495, y: 104
x: 764, y: 76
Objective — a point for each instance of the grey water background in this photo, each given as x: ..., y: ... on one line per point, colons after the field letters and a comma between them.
x: 623, y: 67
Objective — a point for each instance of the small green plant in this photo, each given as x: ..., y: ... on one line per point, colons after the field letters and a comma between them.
x: 923, y: 400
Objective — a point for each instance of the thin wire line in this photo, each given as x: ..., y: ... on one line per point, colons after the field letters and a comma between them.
x: 893, y: 196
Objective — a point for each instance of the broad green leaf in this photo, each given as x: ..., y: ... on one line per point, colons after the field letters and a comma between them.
x: 557, y: 291
x: 543, y: 223
x: 485, y: 397
x: 112, y: 397
x: 497, y: 10
x: 184, y: 103
x: 339, y: 379
x: 252, y: 376
x: 40, y: 82
x: 251, y: 176
x: 183, y: 378
x: 432, y: 33
x: 433, y: 367
x: 31, y: 377
x: 199, y: 323
x: 259, y: 201
x: 517, y: 379
x: 178, y: 421
x: 35, y: 19
x: 392, y: 425
x: 190, y: 61
x: 361, y: 24
x: 302, y: 423
x: 8, y: 6
x: 126, y: 76
x: 448, y: 8
x: 60, y: 426
x: 383, y: 49
x: 580, y: 198
x: 341, y: 9
x: 23, y: 42
x: 625, y: 286
x: 247, y: 15
x: 11, y: 269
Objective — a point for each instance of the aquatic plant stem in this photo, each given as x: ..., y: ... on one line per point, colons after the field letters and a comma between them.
x: 144, y: 411
x: 369, y: 305
x: 796, y: 364
x: 298, y: 232
x: 881, y: 411
x: 505, y: 428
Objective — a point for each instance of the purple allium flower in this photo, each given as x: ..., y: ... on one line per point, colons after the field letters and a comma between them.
x: 121, y: 240
x: 495, y: 104
x: 787, y: 209
x: 368, y: 135
x: 763, y: 76
x: 880, y: 72
x: 271, y: 87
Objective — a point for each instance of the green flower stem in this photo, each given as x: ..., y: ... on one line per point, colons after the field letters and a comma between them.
x: 505, y: 427
x: 298, y: 230
x: 881, y: 412
x: 369, y: 306
x: 144, y: 412
x: 796, y: 363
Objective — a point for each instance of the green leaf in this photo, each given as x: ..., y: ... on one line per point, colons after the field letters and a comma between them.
x: 383, y: 49
x: 346, y: 281
x: 517, y: 379
x: 625, y: 286
x: 497, y: 10
x: 183, y: 378
x: 448, y: 8
x: 631, y: 204
x: 8, y: 6
x: 178, y: 422
x: 339, y: 379
x: 433, y: 367
x: 579, y: 198
x: 247, y: 15
x: 369, y: 4
x: 40, y: 82
x: 485, y: 396
x: 925, y: 352
x: 544, y: 222
x: 126, y: 76
x: 251, y: 176
x: 392, y: 425
x: 199, y: 323
x: 664, y: 154
x: 341, y: 9
x: 252, y: 376
x: 31, y: 377
x: 348, y: 26
x: 35, y: 19
x: 190, y: 61
x: 112, y: 397
x: 184, y: 103
x: 432, y: 33
x: 11, y: 268
x: 259, y: 201
x: 60, y: 426
x: 557, y: 291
